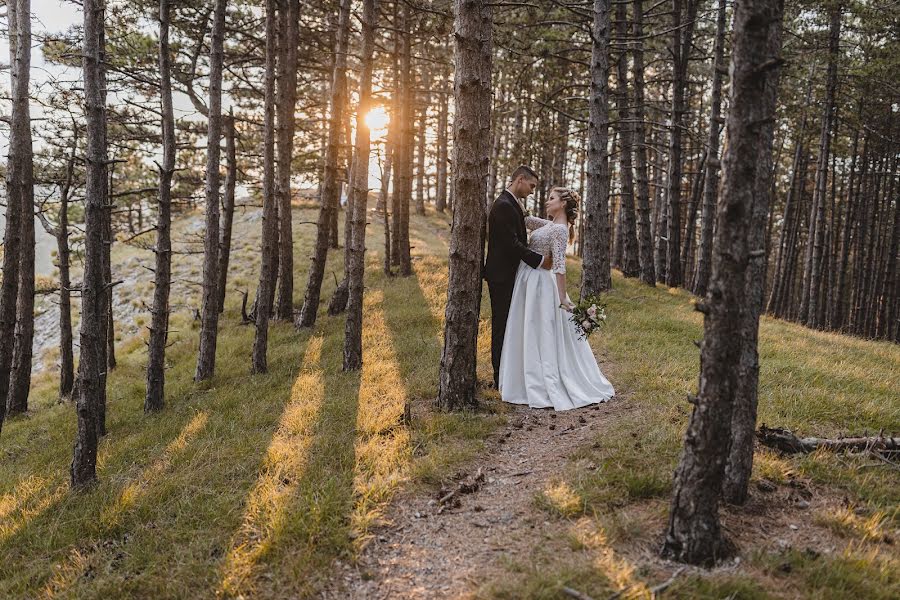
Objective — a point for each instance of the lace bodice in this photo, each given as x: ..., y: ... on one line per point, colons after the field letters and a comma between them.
x: 549, y: 238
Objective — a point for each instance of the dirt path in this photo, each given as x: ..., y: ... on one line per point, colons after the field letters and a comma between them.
x: 434, y: 550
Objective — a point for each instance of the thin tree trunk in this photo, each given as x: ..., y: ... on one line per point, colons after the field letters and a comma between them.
x: 227, y: 209
x: 359, y: 188
x: 631, y: 264
x: 471, y: 154
x: 682, y: 33
x: 809, y: 301
x: 596, y: 275
x: 20, y: 378
x: 645, y: 236
x: 286, y: 102
x: 330, y: 185
x: 694, y: 534
x: 16, y: 190
x: 687, y: 246
x: 84, y: 460
x: 209, y: 320
x: 66, y: 352
x: 269, y: 250
x: 404, y: 166
x: 713, y: 164
x: 154, y: 399
x: 443, y: 101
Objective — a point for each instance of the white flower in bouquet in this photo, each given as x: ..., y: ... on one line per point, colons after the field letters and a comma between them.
x: 586, y: 324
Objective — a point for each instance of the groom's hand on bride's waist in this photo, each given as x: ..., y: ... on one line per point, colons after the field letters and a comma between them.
x: 547, y: 263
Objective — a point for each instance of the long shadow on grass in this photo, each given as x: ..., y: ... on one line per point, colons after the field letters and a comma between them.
x: 141, y: 508
x: 415, y: 331
x: 297, y: 515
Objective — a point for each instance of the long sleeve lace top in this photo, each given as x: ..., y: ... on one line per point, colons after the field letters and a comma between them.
x: 549, y: 238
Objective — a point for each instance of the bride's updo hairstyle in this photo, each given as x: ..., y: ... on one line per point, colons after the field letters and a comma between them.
x: 572, y: 201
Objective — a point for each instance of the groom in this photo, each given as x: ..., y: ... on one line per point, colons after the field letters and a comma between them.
x: 507, y: 245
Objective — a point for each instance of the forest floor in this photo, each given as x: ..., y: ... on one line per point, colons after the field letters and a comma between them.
x: 309, y: 482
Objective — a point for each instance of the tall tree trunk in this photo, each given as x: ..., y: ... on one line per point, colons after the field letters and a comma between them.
x: 683, y: 33
x: 383, y: 201
x: 596, y: 276
x: 443, y: 101
x: 154, y: 399
x: 66, y: 352
x: 404, y: 165
x: 84, y: 459
x: 713, y: 164
x: 471, y: 152
x: 694, y: 534
x: 209, y: 321
x: 809, y: 301
x: 359, y: 188
x: 16, y: 191
x: 331, y: 185
x: 286, y: 101
x: 743, y: 418
x: 269, y: 250
x: 104, y: 305
x: 20, y: 378
x: 399, y: 115
x: 645, y: 237
x: 227, y: 209
x: 420, y: 156
x: 631, y: 266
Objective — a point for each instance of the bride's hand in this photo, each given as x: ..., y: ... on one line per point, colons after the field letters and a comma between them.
x: 567, y: 305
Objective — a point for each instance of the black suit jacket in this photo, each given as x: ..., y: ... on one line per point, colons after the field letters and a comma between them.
x: 507, y: 240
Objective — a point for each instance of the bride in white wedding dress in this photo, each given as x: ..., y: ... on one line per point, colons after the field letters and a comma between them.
x: 544, y: 364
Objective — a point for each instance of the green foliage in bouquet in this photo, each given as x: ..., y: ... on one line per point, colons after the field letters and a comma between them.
x: 588, y: 315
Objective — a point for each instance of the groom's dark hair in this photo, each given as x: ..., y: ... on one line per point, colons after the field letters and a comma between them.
x: 524, y: 170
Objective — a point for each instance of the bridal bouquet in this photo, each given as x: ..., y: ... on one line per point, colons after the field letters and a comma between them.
x: 588, y: 315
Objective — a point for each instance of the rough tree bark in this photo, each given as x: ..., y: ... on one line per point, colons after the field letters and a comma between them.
x: 645, y: 237
x: 631, y: 266
x: 227, y: 209
x: 713, y: 164
x: 693, y: 534
x: 596, y: 274
x: 269, y: 251
x: 209, y: 320
x: 404, y: 160
x: 154, y: 399
x: 331, y: 185
x: 359, y: 188
x: 15, y: 191
x: 84, y: 459
x: 286, y: 101
x: 23, y: 181
x: 743, y: 418
x: 471, y: 152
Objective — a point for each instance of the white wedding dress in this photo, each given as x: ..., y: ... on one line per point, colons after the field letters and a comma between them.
x: 543, y: 363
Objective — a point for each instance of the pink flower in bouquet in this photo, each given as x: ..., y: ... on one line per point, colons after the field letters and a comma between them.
x: 585, y: 324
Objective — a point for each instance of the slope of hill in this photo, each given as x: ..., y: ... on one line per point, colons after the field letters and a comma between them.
x: 252, y: 486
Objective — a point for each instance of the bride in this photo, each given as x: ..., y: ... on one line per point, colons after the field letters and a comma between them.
x: 544, y: 364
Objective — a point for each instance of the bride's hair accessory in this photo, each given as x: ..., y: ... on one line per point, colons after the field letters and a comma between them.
x: 572, y: 201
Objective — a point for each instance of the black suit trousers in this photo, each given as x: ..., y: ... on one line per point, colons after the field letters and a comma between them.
x: 501, y: 297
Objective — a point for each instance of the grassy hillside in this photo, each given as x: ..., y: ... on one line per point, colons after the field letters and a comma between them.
x: 830, y: 527
x: 249, y: 486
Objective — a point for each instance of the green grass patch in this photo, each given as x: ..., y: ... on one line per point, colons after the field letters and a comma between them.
x: 244, y: 486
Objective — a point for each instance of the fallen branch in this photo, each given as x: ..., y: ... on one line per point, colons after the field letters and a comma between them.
x: 451, y: 498
x: 785, y: 441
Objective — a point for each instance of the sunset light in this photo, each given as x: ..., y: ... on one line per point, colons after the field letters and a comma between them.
x: 377, y: 120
